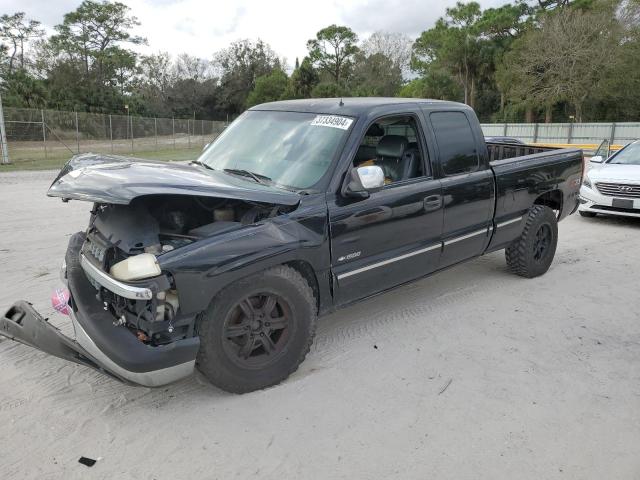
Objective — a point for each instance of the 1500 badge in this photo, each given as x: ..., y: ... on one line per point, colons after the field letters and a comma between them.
x: 350, y: 256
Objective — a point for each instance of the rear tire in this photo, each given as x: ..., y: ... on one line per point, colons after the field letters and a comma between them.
x: 587, y: 214
x: 531, y: 254
x: 257, y: 331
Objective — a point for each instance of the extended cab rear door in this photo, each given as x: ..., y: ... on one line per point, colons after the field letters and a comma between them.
x: 468, y: 185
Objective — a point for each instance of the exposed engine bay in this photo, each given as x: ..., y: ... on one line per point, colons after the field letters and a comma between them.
x: 126, y: 241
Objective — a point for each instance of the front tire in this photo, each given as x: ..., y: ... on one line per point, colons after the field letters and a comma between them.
x: 531, y: 254
x: 257, y: 331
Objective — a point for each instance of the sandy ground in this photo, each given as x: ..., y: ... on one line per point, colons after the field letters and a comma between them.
x: 473, y: 373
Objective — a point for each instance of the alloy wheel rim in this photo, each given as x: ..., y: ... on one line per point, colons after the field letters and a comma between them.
x: 542, y: 242
x: 257, y: 330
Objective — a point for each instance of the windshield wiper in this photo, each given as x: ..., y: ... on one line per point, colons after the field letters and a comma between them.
x: 246, y: 173
x: 202, y: 164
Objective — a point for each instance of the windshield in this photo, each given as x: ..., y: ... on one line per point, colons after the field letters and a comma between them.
x: 292, y: 149
x: 628, y: 156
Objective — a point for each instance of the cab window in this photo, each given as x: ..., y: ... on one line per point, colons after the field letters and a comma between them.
x: 393, y: 144
x: 456, y: 143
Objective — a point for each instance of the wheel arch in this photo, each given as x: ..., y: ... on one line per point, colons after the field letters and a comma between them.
x: 307, y: 271
x: 553, y: 199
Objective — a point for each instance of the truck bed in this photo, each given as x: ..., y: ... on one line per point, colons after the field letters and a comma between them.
x: 500, y: 151
x: 551, y: 176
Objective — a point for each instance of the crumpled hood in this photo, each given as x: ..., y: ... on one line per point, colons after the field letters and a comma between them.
x: 114, y: 179
x: 615, y: 173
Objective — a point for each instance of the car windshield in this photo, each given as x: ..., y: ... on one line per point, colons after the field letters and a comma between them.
x: 290, y: 149
x: 628, y: 156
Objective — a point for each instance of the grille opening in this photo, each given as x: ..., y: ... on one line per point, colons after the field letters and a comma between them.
x: 621, y: 190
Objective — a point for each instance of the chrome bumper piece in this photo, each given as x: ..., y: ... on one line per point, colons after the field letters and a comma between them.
x: 107, y: 281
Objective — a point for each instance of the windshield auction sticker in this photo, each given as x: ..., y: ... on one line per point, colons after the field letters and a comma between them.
x: 334, y: 121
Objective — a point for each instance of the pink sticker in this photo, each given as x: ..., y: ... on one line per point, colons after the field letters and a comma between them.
x: 60, y: 300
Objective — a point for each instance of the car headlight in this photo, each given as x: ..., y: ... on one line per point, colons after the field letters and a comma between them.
x: 136, y: 267
x: 586, y: 181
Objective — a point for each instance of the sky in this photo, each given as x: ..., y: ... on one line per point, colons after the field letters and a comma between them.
x: 202, y: 27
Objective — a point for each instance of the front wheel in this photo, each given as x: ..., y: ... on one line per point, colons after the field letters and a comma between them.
x: 257, y: 330
x: 531, y: 254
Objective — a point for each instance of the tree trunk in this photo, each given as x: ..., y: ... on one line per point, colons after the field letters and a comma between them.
x: 548, y: 114
x: 578, y: 112
x: 528, y: 115
x: 466, y: 84
x: 472, y: 99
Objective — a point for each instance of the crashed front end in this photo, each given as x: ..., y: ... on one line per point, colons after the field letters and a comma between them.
x: 125, y: 306
x: 130, y: 329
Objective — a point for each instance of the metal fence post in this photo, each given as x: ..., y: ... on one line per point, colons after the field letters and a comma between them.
x: 188, y: 134
x: 77, y: 133
x: 44, y: 134
x: 111, y: 133
x: 4, y: 146
x: 131, y: 117
x: 173, y: 131
x: 155, y: 130
x: 612, y: 137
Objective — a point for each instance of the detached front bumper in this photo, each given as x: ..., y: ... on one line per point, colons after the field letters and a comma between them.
x: 98, y: 343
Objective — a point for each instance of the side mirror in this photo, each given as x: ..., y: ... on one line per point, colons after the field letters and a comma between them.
x: 596, y: 159
x: 364, y: 181
x: 206, y: 146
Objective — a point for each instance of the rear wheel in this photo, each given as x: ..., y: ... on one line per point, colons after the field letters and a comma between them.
x: 257, y: 330
x: 531, y: 254
x: 587, y: 214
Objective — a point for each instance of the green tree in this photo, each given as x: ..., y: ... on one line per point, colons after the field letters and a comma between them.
x: 17, y: 30
x: 194, y: 89
x: 302, y: 80
x: 240, y: 65
x: 88, y: 62
x: 394, y: 46
x: 94, y: 34
x: 453, y: 45
x: 329, y: 90
x: 332, y: 51
x: 268, y: 88
x: 437, y: 84
x: 20, y: 89
x: 565, y: 59
x: 375, y: 75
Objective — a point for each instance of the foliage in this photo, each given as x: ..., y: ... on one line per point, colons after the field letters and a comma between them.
x: 268, y: 88
x: 375, y: 75
x: 526, y: 60
x: 544, y: 67
x: 17, y: 30
x: 332, y: 51
x: 394, y: 46
x: 302, y: 80
x: 240, y: 64
x: 328, y: 90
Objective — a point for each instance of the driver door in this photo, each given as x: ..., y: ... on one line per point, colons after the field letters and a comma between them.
x: 394, y: 235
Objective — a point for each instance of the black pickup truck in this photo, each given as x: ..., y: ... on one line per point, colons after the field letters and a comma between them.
x: 298, y: 208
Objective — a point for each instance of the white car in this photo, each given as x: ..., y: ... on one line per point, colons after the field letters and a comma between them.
x: 612, y: 186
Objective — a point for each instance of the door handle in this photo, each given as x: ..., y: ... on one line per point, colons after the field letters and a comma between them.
x: 432, y: 202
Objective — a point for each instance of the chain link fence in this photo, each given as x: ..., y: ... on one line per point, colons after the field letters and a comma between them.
x: 50, y: 137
